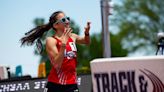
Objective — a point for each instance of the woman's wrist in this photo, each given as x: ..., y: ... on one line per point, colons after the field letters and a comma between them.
x: 86, y: 33
x: 63, y: 45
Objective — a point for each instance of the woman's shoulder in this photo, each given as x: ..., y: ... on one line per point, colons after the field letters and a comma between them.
x: 51, y: 40
x: 74, y: 36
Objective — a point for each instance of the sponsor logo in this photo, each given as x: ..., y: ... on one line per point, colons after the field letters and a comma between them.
x: 70, y: 54
x: 23, y: 86
x: 127, y: 81
x: 158, y: 86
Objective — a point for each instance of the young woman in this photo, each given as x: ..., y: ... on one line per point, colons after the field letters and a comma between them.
x: 61, y: 50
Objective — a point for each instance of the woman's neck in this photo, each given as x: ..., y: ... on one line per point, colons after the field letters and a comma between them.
x: 58, y: 33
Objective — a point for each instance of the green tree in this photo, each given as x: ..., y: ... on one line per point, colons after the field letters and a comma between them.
x: 139, y: 21
x: 117, y: 49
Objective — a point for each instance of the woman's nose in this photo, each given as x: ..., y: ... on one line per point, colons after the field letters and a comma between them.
x: 67, y: 21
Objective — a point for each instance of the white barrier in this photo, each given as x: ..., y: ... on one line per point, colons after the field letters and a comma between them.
x: 3, y: 72
x: 128, y: 74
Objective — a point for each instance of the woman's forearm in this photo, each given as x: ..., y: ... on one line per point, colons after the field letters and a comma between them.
x: 60, y: 56
x: 87, y: 38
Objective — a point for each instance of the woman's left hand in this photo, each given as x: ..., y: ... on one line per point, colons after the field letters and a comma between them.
x: 87, y: 28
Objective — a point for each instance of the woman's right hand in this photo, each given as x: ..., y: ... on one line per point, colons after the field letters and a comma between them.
x: 66, y: 34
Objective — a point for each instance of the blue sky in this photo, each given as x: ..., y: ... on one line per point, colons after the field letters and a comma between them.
x: 16, y: 18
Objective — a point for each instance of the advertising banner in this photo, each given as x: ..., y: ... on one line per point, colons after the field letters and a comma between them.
x: 33, y: 85
x: 38, y: 84
x: 128, y: 74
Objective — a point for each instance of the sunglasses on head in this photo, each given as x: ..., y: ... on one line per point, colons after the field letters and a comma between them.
x: 63, y: 20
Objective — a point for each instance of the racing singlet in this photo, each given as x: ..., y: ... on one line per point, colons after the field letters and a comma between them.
x: 66, y: 74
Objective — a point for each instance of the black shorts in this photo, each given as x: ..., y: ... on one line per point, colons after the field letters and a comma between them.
x: 53, y: 87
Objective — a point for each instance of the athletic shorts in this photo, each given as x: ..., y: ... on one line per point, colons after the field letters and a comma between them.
x: 53, y: 87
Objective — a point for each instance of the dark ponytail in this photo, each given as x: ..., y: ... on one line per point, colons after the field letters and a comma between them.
x: 35, y: 33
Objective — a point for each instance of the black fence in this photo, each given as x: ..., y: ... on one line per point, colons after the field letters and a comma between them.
x: 27, y: 84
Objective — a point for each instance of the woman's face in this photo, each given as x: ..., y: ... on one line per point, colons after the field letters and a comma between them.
x: 62, y: 21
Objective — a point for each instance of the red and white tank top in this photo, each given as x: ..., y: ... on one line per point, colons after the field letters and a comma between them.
x: 66, y: 74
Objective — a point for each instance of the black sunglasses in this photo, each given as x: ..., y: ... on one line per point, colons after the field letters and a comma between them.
x: 63, y: 20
